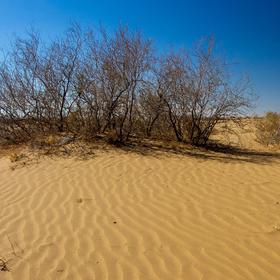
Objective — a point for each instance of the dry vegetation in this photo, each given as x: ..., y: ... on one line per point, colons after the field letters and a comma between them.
x: 268, y: 129
x: 91, y: 83
x: 3, y: 265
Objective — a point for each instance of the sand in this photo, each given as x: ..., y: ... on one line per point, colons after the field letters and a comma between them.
x: 121, y: 215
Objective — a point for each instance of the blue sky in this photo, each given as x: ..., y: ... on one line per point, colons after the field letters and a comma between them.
x: 247, y: 32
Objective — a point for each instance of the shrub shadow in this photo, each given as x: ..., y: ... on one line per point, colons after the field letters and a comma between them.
x: 213, y: 151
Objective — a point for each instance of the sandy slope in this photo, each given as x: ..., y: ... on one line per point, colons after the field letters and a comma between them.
x: 128, y: 216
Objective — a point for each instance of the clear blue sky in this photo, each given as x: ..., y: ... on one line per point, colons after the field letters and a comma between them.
x: 247, y: 31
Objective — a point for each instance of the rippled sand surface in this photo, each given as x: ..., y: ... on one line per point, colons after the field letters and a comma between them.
x: 127, y: 216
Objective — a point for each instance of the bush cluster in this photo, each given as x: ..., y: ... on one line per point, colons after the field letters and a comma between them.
x: 116, y: 84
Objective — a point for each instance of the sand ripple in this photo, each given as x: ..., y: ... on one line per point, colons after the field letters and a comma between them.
x: 126, y: 216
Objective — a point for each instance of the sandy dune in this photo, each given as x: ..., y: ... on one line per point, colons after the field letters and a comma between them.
x: 127, y: 216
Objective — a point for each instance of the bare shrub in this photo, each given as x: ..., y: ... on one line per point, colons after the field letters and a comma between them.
x: 36, y: 85
x: 151, y: 110
x: 199, y: 93
x: 115, y: 69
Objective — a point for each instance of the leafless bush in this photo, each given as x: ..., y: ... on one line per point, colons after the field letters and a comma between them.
x: 198, y: 93
x: 268, y: 129
x: 115, y: 69
x: 91, y: 83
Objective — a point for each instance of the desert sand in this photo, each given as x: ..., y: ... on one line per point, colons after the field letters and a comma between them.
x: 124, y: 215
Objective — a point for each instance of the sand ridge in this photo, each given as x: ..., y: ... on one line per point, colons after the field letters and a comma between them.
x: 127, y: 216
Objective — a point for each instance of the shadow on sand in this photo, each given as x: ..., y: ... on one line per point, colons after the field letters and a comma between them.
x: 156, y: 148
x: 213, y: 151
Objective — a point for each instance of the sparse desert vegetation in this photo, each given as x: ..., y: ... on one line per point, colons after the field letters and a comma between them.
x: 118, y: 161
x: 90, y: 84
x: 268, y: 129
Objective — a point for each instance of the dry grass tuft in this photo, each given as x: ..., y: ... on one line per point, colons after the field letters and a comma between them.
x: 15, y: 156
x: 4, y: 265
